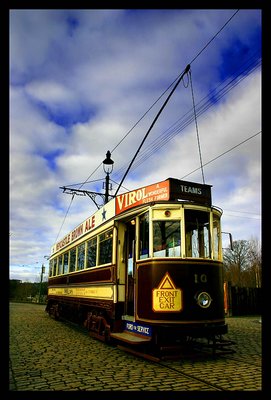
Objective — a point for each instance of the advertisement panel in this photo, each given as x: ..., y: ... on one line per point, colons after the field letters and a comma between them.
x: 156, y: 192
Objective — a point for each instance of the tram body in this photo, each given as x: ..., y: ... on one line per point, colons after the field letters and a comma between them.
x: 145, y: 270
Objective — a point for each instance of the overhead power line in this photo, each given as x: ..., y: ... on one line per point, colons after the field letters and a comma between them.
x: 202, y: 106
x: 168, y: 88
x: 222, y: 154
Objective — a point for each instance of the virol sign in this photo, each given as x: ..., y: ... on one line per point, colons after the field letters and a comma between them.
x: 157, y: 192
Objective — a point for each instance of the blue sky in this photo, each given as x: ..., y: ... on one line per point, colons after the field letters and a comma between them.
x: 80, y: 80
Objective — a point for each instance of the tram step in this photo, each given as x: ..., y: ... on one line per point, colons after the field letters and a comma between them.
x: 130, y: 338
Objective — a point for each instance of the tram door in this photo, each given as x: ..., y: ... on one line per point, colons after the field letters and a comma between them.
x: 130, y: 268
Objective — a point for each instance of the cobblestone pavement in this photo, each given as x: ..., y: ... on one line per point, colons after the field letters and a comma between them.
x: 49, y: 355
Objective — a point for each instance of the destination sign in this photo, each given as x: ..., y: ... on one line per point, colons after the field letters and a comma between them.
x: 191, y: 191
x: 139, y: 329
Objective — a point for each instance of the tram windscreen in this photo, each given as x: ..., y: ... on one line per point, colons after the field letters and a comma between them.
x: 197, y: 234
x: 166, y: 238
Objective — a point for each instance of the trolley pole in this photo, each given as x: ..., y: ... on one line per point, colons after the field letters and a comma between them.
x: 41, y: 277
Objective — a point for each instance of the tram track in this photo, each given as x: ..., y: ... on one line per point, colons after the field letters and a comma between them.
x: 221, y: 366
x: 169, y: 365
x: 235, y: 358
x: 192, y: 377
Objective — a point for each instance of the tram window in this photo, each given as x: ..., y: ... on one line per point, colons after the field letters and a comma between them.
x: 54, y: 266
x: 65, y: 263
x: 105, y: 247
x: 216, y: 232
x: 166, y: 239
x: 81, y: 256
x: 91, y: 252
x: 144, y: 235
x: 60, y: 265
x: 197, y: 233
x: 72, y: 259
x: 50, y: 267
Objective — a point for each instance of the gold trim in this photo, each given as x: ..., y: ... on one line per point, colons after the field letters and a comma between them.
x: 92, y: 292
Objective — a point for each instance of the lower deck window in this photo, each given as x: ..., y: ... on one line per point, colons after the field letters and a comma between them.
x: 72, y: 259
x: 91, y: 252
x: 66, y: 263
x: 105, y: 247
x: 81, y: 256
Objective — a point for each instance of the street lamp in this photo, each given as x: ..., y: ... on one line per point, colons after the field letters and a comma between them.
x: 41, y: 275
x: 108, y: 168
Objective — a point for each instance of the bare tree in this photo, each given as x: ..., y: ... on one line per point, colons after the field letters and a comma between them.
x: 236, y: 261
x: 242, y: 264
x: 255, y: 256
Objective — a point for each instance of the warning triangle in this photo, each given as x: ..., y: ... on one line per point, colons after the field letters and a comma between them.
x: 166, y: 283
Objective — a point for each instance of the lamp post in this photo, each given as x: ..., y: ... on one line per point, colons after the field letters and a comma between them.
x: 108, y: 168
x: 41, y: 276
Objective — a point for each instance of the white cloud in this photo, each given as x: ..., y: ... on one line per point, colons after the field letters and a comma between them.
x: 101, y: 70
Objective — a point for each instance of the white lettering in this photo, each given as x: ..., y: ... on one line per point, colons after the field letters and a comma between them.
x: 120, y: 200
x: 130, y: 198
x: 191, y: 189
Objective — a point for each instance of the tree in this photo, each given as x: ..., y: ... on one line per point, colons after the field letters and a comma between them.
x: 27, y: 291
x: 242, y: 264
x: 255, y: 256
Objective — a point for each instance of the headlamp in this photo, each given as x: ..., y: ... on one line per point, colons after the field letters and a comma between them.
x: 204, y: 299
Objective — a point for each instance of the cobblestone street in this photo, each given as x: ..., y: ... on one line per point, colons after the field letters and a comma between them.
x: 49, y: 355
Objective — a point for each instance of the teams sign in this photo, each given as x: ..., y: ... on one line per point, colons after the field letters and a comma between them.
x: 191, y: 191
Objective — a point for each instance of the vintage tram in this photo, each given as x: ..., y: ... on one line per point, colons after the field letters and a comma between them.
x: 145, y: 271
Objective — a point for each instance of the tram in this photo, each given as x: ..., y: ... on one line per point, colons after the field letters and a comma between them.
x: 144, y: 271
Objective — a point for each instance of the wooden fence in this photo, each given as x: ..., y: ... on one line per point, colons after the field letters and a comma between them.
x: 240, y: 301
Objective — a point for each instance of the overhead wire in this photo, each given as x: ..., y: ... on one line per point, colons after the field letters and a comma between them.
x: 68, y: 209
x: 222, y: 154
x: 197, y: 55
x: 166, y: 90
x: 202, y: 106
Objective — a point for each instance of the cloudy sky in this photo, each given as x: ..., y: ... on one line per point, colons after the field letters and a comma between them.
x: 86, y: 81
